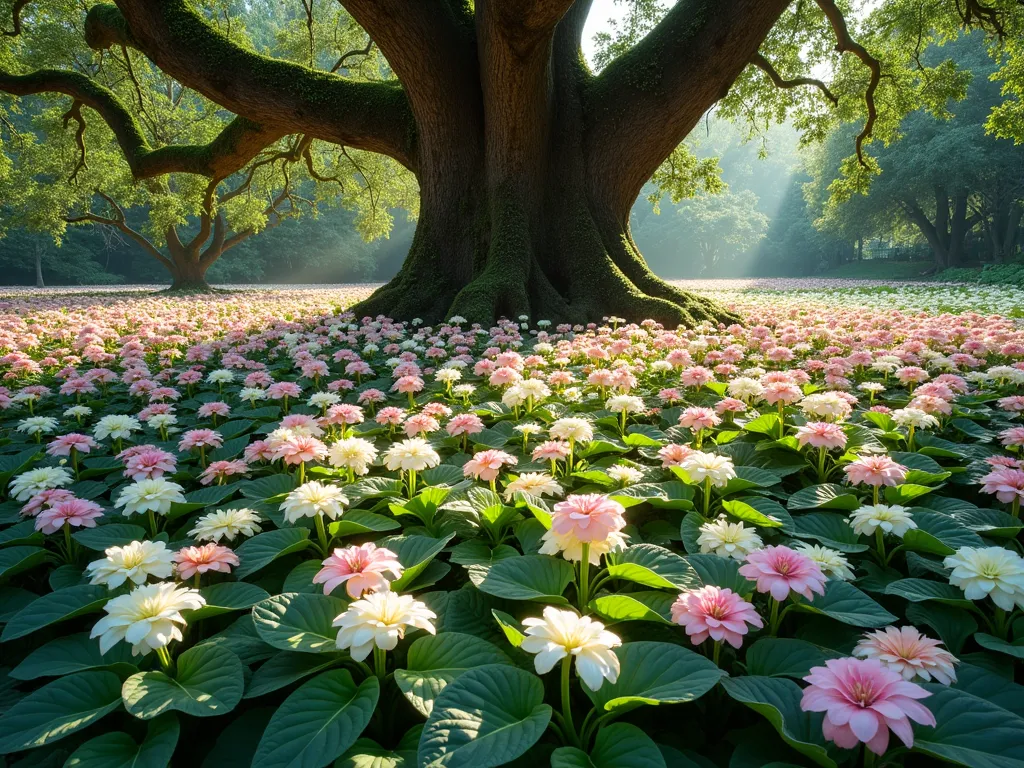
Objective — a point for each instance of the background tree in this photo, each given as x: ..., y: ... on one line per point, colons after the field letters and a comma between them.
x: 528, y: 163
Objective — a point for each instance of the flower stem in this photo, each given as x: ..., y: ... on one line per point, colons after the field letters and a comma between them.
x: 880, y: 544
x: 822, y: 453
x: 152, y: 522
x: 1015, y: 507
x: 196, y: 582
x: 566, y: 701
x: 707, y: 497
x: 302, y: 472
x: 412, y: 483
x: 717, y: 652
x: 68, y: 543
x: 321, y: 533
x: 165, y: 658
x: 379, y: 665
x: 773, y: 622
x: 584, y: 591
x: 869, y: 757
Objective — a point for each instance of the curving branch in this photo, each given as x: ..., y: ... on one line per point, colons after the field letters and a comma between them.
x: 117, y: 221
x: 284, y: 97
x: 239, y: 142
x: 846, y: 44
x: 19, y: 6
x: 780, y: 82
x: 75, y: 113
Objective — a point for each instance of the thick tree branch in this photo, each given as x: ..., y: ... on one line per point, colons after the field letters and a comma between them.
x: 238, y: 143
x: 118, y: 222
x: 780, y: 82
x: 75, y: 113
x: 280, y: 95
x: 846, y: 44
x: 16, y: 10
x: 646, y: 101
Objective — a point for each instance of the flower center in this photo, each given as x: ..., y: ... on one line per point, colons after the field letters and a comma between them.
x: 862, y: 693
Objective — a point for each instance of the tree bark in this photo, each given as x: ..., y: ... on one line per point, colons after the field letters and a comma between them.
x: 39, y: 267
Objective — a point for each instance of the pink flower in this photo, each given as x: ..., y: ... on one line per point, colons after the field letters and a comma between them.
x: 343, y: 413
x: 371, y: 396
x: 781, y: 570
x: 486, y: 465
x: 361, y: 569
x: 200, y: 438
x: 219, y: 470
x: 821, y: 434
x: 1007, y: 484
x: 875, y: 471
x: 717, y: 613
x: 502, y: 376
x: 912, y: 375
x: 390, y: 415
x: 299, y: 449
x: 588, y: 517
x: 465, y: 424
x: 150, y: 463
x: 407, y: 384
x: 208, y: 557
x: 730, y: 405
x: 1012, y: 404
x: 258, y: 450
x: 697, y: 376
x: 282, y: 389
x: 551, y: 450
x: 696, y: 419
x: 1014, y: 436
x: 784, y: 392
x: 862, y: 701
x: 420, y: 423
x: 211, y: 409
x: 907, y: 651
x: 45, y: 500
x: 63, y: 445
x: 673, y: 454
x: 74, y: 512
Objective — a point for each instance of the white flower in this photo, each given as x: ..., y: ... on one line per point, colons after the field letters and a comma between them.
x: 323, y: 399
x: 133, y: 562
x: 146, y: 617
x: 162, y: 420
x: 571, y: 547
x: 534, y: 483
x: 78, y: 411
x: 28, y: 484
x: 116, y: 427
x: 457, y: 320
x: 832, y: 563
x: 150, y: 495
x: 624, y: 404
x: 871, y: 386
x: 914, y: 417
x: 535, y: 388
x: 220, y: 376
x: 527, y: 428
x: 727, y: 539
x: 573, y: 429
x: 513, y: 396
x: 700, y: 466
x: 826, y: 405
x: 623, y: 474
x: 252, y: 394
x: 890, y: 519
x: 380, y: 619
x: 992, y: 571
x: 312, y: 499
x: 746, y: 389
x: 563, y: 633
x: 414, y: 453
x: 226, y: 524
x: 353, y: 453
x: 448, y: 375
x: 463, y: 390
x: 38, y: 425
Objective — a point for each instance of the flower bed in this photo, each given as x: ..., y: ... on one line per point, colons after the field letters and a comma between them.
x: 255, y: 530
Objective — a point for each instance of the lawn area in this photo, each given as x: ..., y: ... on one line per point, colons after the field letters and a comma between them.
x: 880, y: 269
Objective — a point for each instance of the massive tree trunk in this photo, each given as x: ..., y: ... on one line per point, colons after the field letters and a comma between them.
x: 945, y: 235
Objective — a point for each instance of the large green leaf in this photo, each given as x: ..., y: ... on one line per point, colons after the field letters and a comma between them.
x: 635, y: 606
x: 970, y: 731
x: 939, y: 534
x: 488, y: 717
x: 297, y: 621
x: 758, y: 510
x: 366, y: 753
x: 58, y: 709
x: 825, y: 496
x: 228, y: 596
x: 785, y: 657
x: 113, y: 535
x: 720, y: 572
x: 778, y: 700
x: 318, y: 722
x: 119, y: 750
x: 533, y: 577
x: 64, y: 604
x: 261, y: 550
x: 359, y: 521
x: 69, y: 654
x: 656, y: 673
x: 618, y: 745
x: 654, y: 566
x: 828, y: 528
x: 208, y: 681
x: 434, y: 661
x: 998, y: 645
x: 844, y: 602
x: 285, y: 668
x: 14, y: 560
x: 922, y: 590
x: 415, y: 554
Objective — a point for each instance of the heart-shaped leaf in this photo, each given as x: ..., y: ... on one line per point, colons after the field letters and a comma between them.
x: 119, y: 750
x: 64, y: 604
x: 618, y: 745
x: 73, y: 653
x: 261, y: 550
x: 653, y: 566
x: 207, y: 682
x: 533, y: 577
x: 299, y: 622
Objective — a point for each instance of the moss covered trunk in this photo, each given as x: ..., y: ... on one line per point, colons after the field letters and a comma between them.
x: 188, y: 275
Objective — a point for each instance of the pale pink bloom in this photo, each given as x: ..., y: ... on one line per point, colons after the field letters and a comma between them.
x: 282, y: 389
x: 207, y: 557
x: 464, y: 424
x: 343, y: 413
x: 1007, y: 484
x: 912, y: 375
x: 930, y: 404
x: 730, y: 405
x: 503, y: 376
x: 74, y: 512
x: 361, y: 569
x: 206, y: 410
x: 670, y: 395
x: 299, y: 449
x: 258, y: 450
x: 717, y: 613
x: 371, y: 396
x: 63, y: 445
x: 149, y: 463
x: 875, y: 471
x: 1014, y: 436
x: 695, y: 418
x: 673, y: 454
x: 390, y: 415
x: 223, y: 469
x: 1012, y: 404
x: 487, y: 465
x: 588, y: 517
x: 862, y: 701
x: 200, y: 438
x: 781, y: 570
x: 696, y: 376
x: 821, y: 434
x: 407, y: 384
x: 302, y: 424
x: 420, y: 423
x: 551, y: 450
x: 1003, y: 461
x: 784, y: 392
x: 45, y: 500
x: 907, y: 651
